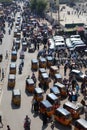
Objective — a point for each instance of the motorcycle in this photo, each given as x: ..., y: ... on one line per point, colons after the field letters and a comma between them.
x: 27, y: 123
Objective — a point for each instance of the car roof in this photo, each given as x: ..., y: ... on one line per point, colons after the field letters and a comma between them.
x: 63, y: 111
x: 83, y: 122
x: 76, y: 71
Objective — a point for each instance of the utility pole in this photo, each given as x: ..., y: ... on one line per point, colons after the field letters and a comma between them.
x: 58, y: 7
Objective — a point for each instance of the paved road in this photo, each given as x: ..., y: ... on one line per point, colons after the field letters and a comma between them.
x: 12, y: 116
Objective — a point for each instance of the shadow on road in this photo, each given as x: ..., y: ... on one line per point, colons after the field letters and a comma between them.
x: 28, y: 94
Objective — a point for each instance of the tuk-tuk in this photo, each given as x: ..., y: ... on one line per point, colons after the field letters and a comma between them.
x: 18, y: 35
x: 41, y: 70
x: 45, y: 80
x: 62, y: 89
x: 16, y: 97
x: 12, y: 68
x: 53, y: 71
x: 34, y: 64
x: 46, y: 107
x: 56, y: 91
x: 11, y: 80
x: 22, y: 55
x: 42, y: 63
x: 63, y: 116
x: 38, y: 94
x: 80, y: 124
x: 15, y: 32
x: 24, y: 46
x: 54, y: 100
x: 57, y: 78
x: 17, y: 42
x: 30, y: 85
x: 14, y: 55
x: 49, y: 61
x: 1, y: 57
x: 74, y: 109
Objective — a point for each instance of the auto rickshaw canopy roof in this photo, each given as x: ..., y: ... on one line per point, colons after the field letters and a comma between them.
x: 82, y: 122
x: 46, y: 104
x: 54, y: 68
x: 55, y: 90
x: 14, y: 53
x: 59, y: 85
x: 49, y: 58
x: 16, y: 92
x: 45, y: 75
x: 34, y: 61
x: 42, y: 59
x: 42, y: 70
x: 38, y: 90
x: 52, y: 96
x: 58, y: 76
x: 63, y: 111
x: 73, y: 106
x: 12, y: 65
x: 11, y: 76
x: 30, y: 81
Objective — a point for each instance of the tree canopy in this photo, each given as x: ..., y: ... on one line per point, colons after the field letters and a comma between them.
x: 1, y: 1
x: 38, y: 6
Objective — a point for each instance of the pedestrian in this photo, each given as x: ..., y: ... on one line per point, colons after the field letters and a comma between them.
x: 6, y: 54
x: 85, y: 110
x: 2, y: 73
x: 1, y: 120
x: 8, y: 127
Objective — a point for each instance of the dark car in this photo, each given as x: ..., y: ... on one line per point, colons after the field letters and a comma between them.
x: 78, y: 74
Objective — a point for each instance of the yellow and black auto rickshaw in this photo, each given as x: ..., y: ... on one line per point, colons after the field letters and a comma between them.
x: 46, y: 107
x: 42, y: 63
x: 12, y: 69
x: 53, y: 71
x: 24, y: 46
x: 54, y: 100
x: 16, y: 97
x: 45, y: 80
x: 38, y: 94
x: 41, y: 70
x: 14, y: 56
x: 74, y: 109
x: 34, y: 64
x: 11, y: 80
x: 49, y: 60
x: 62, y: 89
x: 63, y: 116
x: 30, y: 85
x: 57, y: 78
x: 80, y: 124
x: 56, y: 91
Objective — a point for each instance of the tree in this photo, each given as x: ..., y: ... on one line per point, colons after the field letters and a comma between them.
x: 38, y: 6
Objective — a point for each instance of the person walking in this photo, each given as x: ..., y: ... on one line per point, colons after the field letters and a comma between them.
x: 1, y: 120
x: 8, y: 127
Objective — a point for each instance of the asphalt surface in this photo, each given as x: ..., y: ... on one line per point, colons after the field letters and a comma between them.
x: 15, y: 116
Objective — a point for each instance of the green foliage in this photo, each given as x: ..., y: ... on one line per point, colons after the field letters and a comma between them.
x: 38, y: 6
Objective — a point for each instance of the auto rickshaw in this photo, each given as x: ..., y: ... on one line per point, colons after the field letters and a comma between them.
x: 46, y: 107
x: 45, y: 80
x: 57, y: 78
x: 74, y: 109
x: 15, y: 32
x: 42, y: 63
x: 49, y: 61
x: 18, y: 35
x: 38, y: 94
x: 62, y: 89
x: 34, y: 64
x: 54, y: 100
x: 24, y: 46
x: 30, y: 85
x: 80, y: 124
x: 63, y: 116
x: 22, y: 55
x: 41, y: 70
x: 16, y: 97
x: 11, y: 80
x: 17, y: 42
x: 12, y: 68
x: 53, y: 71
x: 14, y: 56
x: 56, y: 91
